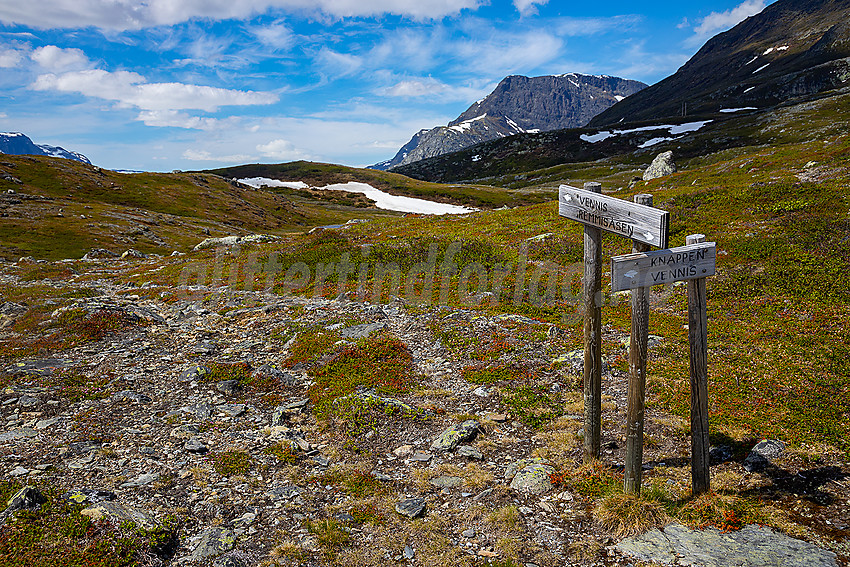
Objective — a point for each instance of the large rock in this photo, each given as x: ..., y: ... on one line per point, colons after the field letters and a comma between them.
x: 214, y: 541
x: 662, y: 165
x: 118, y: 513
x: 234, y: 240
x: 411, y: 507
x: 533, y: 479
x: 753, y: 546
x: 455, y: 435
x: 762, y: 454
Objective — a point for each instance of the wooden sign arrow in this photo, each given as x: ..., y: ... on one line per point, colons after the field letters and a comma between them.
x: 638, y: 222
x: 644, y: 269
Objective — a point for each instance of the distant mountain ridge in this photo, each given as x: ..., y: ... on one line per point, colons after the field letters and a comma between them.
x: 519, y: 105
x: 790, y: 50
x: 16, y: 143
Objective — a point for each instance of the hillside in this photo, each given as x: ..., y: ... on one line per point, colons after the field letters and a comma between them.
x: 517, y: 105
x: 792, y: 50
x: 289, y: 403
x: 53, y: 208
x: 322, y: 174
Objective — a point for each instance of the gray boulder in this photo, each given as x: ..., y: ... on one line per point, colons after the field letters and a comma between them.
x: 662, y: 165
x: 533, y: 479
x: 455, y: 435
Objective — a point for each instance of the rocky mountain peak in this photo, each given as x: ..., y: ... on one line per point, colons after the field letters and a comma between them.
x: 517, y: 105
x: 16, y: 143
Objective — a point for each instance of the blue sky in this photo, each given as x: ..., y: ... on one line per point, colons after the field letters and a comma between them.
x: 196, y: 84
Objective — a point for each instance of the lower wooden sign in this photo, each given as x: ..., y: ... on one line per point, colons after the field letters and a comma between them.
x: 644, y: 269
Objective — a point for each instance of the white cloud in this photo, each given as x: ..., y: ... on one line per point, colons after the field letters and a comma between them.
x: 58, y: 59
x: 3, y: 115
x: 283, y: 150
x: 526, y: 7
x: 277, y: 36
x: 131, y: 89
x: 415, y: 87
x: 338, y: 64
x: 175, y: 119
x: 204, y: 155
x: 126, y: 14
x: 508, y: 54
x: 717, y: 22
x: 10, y: 58
x: 584, y: 27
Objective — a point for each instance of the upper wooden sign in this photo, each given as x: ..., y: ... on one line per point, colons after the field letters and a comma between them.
x: 644, y: 269
x: 638, y: 222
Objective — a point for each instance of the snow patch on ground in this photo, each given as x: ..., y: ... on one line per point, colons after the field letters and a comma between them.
x: 398, y: 203
x: 619, y: 97
x: 598, y: 137
x: 729, y: 110
x: 261, y: 181
x: 762, y: 68
x: 653, y: 141
x: 674, y: 130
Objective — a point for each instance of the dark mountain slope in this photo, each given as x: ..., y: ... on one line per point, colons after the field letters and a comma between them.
x: 791, y: 49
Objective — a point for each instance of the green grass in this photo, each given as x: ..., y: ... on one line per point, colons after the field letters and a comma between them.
x: 230, y: 463
x: 379, y: 361
x: 57, y: 535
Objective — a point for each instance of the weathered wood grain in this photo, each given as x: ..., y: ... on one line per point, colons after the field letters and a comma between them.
x: 592, y: 290
x: 698, y: 338
x: 635, y: 414
x: 632, y: 220
x: 637, y: 270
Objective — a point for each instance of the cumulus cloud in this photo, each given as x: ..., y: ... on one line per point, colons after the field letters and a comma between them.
x: 283, y: 150
x: 526, y: 7
x: 124, y: 15
x: 717, y: 22
x: 58, y: 59
x: 132, y: 90
x: 10, y: 58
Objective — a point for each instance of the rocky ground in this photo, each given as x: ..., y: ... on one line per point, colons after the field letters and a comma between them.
x: 211, y: 411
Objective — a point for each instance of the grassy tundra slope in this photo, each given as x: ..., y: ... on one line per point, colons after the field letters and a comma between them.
x: 62, y: 209
x: 779, y: 365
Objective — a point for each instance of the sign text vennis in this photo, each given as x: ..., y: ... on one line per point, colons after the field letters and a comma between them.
x: 639, y: 222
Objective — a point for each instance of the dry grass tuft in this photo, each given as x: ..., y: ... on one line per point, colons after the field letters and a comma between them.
x: 627, y: 514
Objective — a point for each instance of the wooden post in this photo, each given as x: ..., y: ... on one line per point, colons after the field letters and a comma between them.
x: 592, y: 336
x: 637, y: 375
x: 698, y: 337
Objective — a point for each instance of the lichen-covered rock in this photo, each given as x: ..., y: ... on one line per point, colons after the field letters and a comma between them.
x: 118, y: 513
x: 662, y: 165
x: 411, y: 507
x: 455, y: 435
x: 755, y: 546
x: 517, y: 466
x: 761, y: 455
x: 234, y: 240
x: 27, y: 498
x: 533, y: 479
x: 214, y: 541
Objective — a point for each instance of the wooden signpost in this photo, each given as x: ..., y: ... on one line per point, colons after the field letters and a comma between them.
x: 598, y: 212
x: 637, y: 271
x: 645, y: 226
